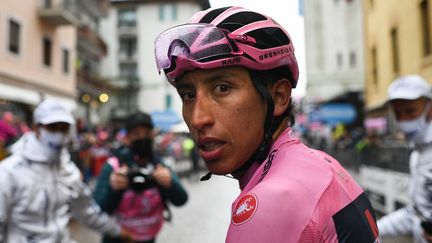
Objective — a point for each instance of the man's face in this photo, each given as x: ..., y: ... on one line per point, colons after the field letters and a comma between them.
x: 225, y: 115
x: 406, y: 110
x: 139, y: 132
x: 57, y: 127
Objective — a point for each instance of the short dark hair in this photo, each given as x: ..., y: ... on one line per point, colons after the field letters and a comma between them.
x: 138, y: 119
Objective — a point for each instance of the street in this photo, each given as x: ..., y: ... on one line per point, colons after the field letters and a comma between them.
x: 204, y: 218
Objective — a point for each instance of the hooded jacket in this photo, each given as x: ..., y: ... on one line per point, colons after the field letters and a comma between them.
x: 38, y: 197
x: 407, y: 220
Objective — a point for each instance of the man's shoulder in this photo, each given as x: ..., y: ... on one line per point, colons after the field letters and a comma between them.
x: 12, y: 162
x: 305, y: 173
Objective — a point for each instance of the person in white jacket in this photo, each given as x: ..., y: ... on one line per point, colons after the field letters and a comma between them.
x: 41, y: 188
x: 410, y: 97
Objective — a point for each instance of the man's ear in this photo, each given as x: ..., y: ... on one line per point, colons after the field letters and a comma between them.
x: 281, y: 93
x: 429, y: 113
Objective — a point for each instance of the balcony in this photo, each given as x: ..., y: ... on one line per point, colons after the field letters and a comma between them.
x: 90, y: 43
x: 127, y: 30
x: 59, y: 12
x: 128, y: 57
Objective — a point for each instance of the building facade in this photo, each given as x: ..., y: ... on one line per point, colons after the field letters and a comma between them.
x: 133, y: 27
x: 51, y: 48
x: 334, y: 48
x: 93, y: 91
x: 398, y: 40
x: 37, y: 49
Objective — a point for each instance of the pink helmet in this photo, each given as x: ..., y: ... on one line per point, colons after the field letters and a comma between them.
x: 230, y: 36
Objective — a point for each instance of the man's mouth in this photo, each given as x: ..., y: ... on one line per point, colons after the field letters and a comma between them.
x: 210, y: 146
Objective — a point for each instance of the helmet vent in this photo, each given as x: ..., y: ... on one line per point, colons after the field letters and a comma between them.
x: 210, y: 16
x: 269, y: 37
x: 240, y: 19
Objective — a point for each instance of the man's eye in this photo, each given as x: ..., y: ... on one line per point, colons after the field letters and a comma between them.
x: 222, y: 88
x: 186, y: 95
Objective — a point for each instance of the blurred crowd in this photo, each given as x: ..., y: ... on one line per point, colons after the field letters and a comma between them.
x: 11, y: 128
x: 91, y: 146
x: 343, y: 137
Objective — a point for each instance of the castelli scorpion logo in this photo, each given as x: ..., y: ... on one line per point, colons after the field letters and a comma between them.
x: 245, y: 209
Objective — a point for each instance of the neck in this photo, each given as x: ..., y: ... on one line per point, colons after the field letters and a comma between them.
x: 244, y: 174
x: 282, y: 126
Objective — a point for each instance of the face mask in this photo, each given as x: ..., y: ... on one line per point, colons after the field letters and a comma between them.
x: 54, y: 141
x: 415, y: 130
x: 143, y: 148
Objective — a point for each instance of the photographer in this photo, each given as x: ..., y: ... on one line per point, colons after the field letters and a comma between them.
x: 133, y: 184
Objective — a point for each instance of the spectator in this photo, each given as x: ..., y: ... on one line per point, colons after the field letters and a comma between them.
x: 134, y: 184
x: 410, y: 97
x: 41, y: 188
x: 7, y: 133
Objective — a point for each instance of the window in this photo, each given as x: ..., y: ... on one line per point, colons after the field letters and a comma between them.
x: 395, y: 49
x: 14, y: 37
x: 65, y: 60
x: 424, y: 14
x: 127, y: 17
x: 374, y: 67
x: 47, y: 50
x: 168, y: 102
x: 128, y: 71
x: 352, y: 59
x: 128, y: 47
x: 167, y: 12
x: 339, y: 60
x: 48, y: 3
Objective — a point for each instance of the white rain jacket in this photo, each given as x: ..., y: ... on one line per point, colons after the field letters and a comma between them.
x: 38, y: 197
x: 407, y: 220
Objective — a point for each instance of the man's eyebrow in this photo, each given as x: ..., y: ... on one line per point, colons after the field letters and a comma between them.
x: 213, y: 77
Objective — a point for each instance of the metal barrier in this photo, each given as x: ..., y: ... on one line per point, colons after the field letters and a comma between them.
x: 395, y: 158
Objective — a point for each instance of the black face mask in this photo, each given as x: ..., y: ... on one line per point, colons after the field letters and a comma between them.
x: 143, y: 148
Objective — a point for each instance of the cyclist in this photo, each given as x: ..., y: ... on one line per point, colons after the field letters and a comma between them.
x: 410, y: 97
x: 234, y: 70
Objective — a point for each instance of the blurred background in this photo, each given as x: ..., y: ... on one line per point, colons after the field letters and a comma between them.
x: 97, y: 58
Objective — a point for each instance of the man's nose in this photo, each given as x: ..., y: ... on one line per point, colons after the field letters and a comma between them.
x: 202, y: 114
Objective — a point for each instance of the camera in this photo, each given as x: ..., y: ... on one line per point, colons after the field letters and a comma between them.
x: 427, y: 226
x: 141, y: 178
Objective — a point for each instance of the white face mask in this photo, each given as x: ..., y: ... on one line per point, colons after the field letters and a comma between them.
x: 416, y: 129
x: 54, y: 141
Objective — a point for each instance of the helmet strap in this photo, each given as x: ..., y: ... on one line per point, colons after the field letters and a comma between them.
x: 270, y: 124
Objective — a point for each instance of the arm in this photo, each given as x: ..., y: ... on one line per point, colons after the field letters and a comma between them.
x: 6, y: 183
x: 87, y: 211
x: 399, y: 222
x: 105, y: 196
x: 175, y: 192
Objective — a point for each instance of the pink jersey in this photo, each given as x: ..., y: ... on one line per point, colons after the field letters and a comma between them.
x: 301, y: 195
x: 140, y: 213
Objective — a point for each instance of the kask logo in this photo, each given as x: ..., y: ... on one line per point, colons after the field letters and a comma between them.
x: 245, y: 209
x: 231, y: 61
